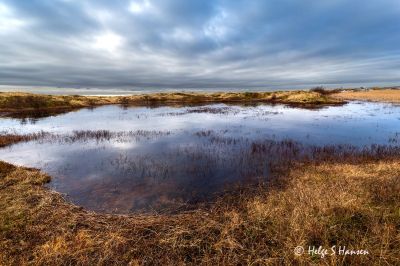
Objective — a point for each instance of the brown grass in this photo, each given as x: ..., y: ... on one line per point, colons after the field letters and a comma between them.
x: 8, y: 139
x: 383, y: 95
x: 356, y: 205
x: 17, y: 102
x: 287, y: 97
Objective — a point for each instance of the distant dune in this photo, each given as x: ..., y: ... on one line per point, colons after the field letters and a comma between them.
x: 384, y: 95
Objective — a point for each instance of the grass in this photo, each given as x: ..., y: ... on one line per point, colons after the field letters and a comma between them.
x: 8, y: 139
x: 286, y: 97
x: 325, y: 202
x: 383, y: 95
x: 17, y: 102
x: 352, y: 202
x: 14, y: 101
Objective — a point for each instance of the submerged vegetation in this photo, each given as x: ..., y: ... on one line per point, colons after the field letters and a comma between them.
x: 7, y: 139
x: 315, y: 204
x: 315, y: 200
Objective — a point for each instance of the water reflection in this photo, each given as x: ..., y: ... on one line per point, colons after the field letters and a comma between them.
x: 120, y: 160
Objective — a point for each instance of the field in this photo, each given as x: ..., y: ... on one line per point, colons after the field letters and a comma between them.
x: 384, y: 95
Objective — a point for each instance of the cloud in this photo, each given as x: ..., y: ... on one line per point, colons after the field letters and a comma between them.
x: 199, y: 43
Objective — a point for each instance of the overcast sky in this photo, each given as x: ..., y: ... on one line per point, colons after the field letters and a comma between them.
x: 199, y: 43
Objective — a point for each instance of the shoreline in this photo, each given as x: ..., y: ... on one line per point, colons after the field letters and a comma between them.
x: 98, y: 91
x: 15, y: 102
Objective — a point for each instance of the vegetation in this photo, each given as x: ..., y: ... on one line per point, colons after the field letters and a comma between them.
x: 8, y: 139
x: 12, y: 101
x: 337, y: 198
x: 324, y: 91
x: 375, y: 94
x: 321, y: 202
x: 286, y: 97
x: 17, y: 102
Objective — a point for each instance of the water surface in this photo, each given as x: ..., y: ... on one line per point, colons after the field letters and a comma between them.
x: 124, y: 159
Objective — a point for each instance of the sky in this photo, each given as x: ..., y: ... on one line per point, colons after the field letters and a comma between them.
x: 199, y: 43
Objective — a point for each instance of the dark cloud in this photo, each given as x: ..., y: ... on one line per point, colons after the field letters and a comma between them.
x: 199, y: 43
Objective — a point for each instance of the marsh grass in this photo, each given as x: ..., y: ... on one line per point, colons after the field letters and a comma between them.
x: 186, y: 175
x: 336, y: 196
x: 7, y: 139
x: 12, y: 102
x: 106, y: 135
x: 38, y: 105
x: 356, y: 205
x: 205, y: 109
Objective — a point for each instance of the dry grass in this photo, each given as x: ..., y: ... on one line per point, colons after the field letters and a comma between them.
x: 356, y: 205
x: 287, y: 97
x: 17, y: 102
x: 327, y: 203
x: 13, y: 102
x: 8, y: 139
x: 383, y: 95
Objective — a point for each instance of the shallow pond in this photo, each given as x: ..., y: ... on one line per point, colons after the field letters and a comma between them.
x: 124, y: 159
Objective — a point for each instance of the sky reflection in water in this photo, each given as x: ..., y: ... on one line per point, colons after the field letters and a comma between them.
x: 196, y: 152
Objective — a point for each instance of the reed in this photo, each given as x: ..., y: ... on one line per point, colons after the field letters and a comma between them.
x: 7, y: 139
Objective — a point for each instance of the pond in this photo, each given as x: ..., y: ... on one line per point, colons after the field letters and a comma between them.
x: 119, y: 159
